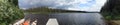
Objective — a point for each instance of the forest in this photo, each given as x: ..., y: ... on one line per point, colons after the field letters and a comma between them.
x: 10, y: 11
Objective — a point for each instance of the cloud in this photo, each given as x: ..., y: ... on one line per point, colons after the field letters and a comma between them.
x: 79, y: 5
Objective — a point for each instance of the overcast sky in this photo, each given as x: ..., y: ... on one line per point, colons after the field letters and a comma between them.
x: 78, y: 5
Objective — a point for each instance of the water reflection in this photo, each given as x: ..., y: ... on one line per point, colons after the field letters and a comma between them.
x: 69, y: 18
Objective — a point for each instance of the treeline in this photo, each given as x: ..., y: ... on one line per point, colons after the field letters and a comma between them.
x: 50, y: 10
x: 111, y: 10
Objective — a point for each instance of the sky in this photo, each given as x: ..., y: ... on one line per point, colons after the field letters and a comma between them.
x: 76, y: 5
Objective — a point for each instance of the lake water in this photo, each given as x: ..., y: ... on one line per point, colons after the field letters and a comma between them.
x: 69, y: 18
